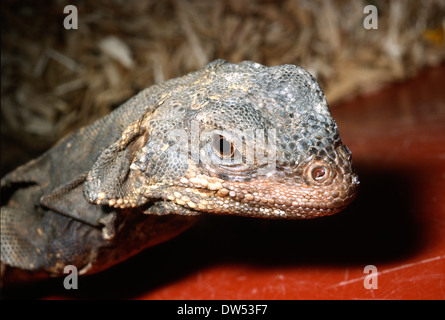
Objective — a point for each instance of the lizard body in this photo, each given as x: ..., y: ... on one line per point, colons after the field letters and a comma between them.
x: 239, y: 139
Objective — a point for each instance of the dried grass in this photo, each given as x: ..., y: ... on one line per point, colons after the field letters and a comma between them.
x: 55, y: 80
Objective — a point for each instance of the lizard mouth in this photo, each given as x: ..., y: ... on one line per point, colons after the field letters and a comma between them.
x: 268, y: 198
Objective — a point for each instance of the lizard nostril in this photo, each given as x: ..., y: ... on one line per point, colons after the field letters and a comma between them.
x: 319, y: 173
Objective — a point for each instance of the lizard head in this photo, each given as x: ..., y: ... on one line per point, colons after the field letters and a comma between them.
x: 240, y: 139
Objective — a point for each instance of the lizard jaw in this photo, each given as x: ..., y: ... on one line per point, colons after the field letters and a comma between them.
x: 262, y: 198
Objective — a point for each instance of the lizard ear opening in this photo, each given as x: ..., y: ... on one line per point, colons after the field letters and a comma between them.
x: 110, y: 181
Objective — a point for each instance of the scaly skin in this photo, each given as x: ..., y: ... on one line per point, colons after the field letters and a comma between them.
x: 238, y: 139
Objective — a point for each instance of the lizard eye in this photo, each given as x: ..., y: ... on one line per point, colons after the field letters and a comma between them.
x: 223, y: 147
x: 221, y: 154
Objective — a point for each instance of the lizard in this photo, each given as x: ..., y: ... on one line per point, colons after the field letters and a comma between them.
x: 234, y: 139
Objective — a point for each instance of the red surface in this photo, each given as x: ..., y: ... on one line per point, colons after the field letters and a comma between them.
x: 397, y: 137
